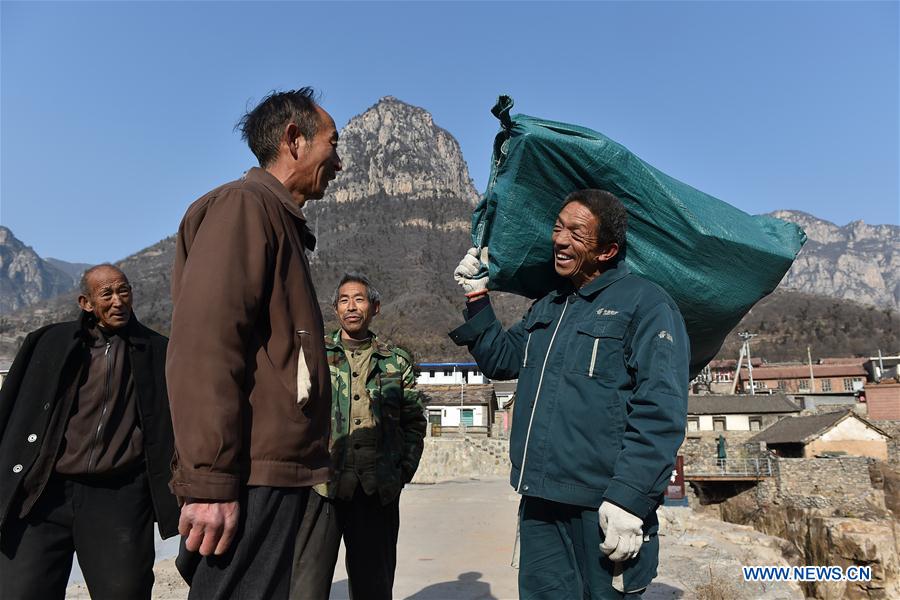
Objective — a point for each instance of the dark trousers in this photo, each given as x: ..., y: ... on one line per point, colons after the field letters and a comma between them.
x: 560, y: 557
x: 108, y: 525
x: 258, y: 563
x: 369, y: 530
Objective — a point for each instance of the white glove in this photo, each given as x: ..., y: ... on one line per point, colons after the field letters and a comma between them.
x: 623, y: 532
x: 467, y: 270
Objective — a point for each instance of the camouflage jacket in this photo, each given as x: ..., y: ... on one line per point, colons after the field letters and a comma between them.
x: 397, y: 410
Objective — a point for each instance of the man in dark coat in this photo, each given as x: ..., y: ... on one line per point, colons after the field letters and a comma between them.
x: 85, y: 451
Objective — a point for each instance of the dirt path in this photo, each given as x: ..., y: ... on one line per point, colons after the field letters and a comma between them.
x: 456, y: 542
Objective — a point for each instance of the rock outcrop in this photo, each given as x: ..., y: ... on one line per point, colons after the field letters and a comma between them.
x: 836, y: 523
x: 857, y: 262
x: 25, y: 278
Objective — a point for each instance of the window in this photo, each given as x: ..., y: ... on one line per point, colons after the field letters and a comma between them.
x: 755, y: 423
x: 693, y: 424
x: 826, y: 385
x: 848, y: 384
x: 782, y: 385
x: 718, y: 423
x: 431, y: 373
x: 434, y: 416
x: 803, y: 385
x: 448, y: 372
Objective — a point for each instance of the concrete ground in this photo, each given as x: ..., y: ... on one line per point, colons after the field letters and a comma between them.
x: 456, y: 543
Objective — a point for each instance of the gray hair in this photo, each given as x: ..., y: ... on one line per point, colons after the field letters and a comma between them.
x: 84, y: 286
x: 356, y: 277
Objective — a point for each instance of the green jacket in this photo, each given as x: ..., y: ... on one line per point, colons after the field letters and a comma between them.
x: 397, y: 409
x: 601, y: 402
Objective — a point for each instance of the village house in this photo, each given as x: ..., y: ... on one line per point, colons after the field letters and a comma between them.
x: 830, y: 434
x: 830, y: 376
x: 468, y: 408
x: 883, y: 400
x: 722, y: 413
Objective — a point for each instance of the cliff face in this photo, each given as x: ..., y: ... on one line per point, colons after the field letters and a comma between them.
x: 25, y: 278
x: 857, y: 262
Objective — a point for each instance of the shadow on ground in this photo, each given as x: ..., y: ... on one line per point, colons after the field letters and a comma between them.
x: 466, y: 587
x: 469, y: 587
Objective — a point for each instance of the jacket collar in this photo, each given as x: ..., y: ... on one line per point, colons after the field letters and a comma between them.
x: 133, y: 333
x: 334, y: 343
x: 604, y: 280
x: 265, y: 178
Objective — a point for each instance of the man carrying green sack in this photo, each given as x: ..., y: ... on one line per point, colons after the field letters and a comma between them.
x: 602, y: 368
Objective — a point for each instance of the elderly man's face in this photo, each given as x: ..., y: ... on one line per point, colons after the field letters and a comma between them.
x: 318, y: 161
x: 109, y: 299
x: 575, y: 244
x: 354, y: 310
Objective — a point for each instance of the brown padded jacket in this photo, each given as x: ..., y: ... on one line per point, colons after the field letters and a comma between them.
x: 249, y: 386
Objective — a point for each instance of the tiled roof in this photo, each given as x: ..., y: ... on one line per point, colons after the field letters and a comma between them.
x: 450, y: 394
x: 742, y: 404
x: 802, y: 371
x: 796, y: 430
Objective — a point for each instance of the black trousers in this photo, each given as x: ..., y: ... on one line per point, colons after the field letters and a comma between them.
x: 108, y: 525
x: 369, y: 530
x: 257, y: 565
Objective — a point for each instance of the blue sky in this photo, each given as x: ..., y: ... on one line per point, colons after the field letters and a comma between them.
x: 116, y: 116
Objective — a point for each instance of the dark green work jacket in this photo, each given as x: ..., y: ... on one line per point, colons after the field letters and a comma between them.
x: 601, y: 402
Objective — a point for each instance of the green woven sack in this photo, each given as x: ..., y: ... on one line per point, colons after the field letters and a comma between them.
x: 716, y: 261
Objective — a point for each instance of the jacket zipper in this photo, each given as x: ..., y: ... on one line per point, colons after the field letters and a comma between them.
x: 103, y: 409
x: 537, y: 395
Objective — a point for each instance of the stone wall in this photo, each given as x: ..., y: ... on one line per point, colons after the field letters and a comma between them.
x: 700, y: 448
x: 892, y: 428
x: 841, y: 485
x: 447, y: 458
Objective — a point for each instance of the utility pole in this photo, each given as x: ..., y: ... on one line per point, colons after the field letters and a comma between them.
x: 737, y: 372
x: 812, y: 378
x: 747, y: 336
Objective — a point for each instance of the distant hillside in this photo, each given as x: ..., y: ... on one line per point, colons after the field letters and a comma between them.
x: 787, y: 322
x: 73, y: 270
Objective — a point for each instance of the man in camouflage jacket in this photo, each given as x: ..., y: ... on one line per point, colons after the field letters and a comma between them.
x: 377, y: 427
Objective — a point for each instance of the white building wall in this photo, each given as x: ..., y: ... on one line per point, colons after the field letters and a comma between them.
x: 737, y: 422
x: 450, y: 415
x: 851, y: 430
x: 706, y: 423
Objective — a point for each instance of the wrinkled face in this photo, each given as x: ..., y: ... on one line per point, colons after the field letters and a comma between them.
x: 575, y: 244
x: 317, y: 161
x: 354, y: 311
x: 110, y: 298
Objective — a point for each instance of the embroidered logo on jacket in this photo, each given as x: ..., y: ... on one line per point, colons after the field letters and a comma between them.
x: 606, y: 312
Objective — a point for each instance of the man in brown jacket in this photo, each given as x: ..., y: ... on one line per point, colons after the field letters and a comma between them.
x: 249, y: 386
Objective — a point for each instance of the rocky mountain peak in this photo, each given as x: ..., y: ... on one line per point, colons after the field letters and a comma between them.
x: 25, y: 278
x: 395, y: 149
